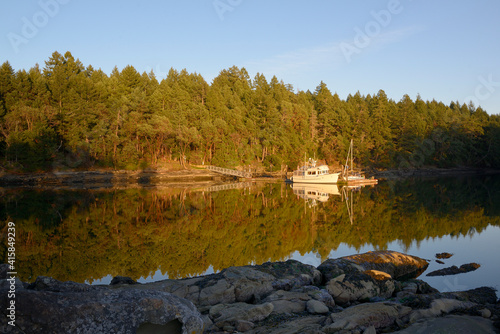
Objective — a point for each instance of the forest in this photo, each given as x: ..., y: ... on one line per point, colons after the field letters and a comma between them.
x: 70, y: 116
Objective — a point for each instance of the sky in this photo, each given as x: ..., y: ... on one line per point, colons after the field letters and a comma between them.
x: 443, y: 50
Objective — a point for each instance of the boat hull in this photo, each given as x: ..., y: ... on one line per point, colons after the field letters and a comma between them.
x: 322, y: 179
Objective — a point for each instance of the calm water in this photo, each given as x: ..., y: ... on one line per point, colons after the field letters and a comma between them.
x: 156, y: 233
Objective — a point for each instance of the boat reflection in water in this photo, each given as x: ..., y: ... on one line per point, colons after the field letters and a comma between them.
x: 315, y: 192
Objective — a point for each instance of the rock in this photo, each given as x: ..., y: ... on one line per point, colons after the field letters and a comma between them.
x: 233, y: 314
x: 43, y: 283
x: 439, y: 307
x: 4, y: 269
x: 303, y: 325
x: 451, y: 324
x: 365, y: 276
x: 358, y: 287
x: 439, y: 261
x: 316, y: 307
x: 323, y: 296
x: 378, y: 315
x: 344, y: 292
x: 291, y: 274
x: 239, y: 284
x: 485, y: 313
x: 370, y: 330
x: 51, y: 306
x: 483, y: 295
x: 288, y: 301
x: 454, y: 270
x: 122, y: 280
x: 243, y: 326
x: 443, y: 255
x: 378, y: 275
x: 397, y: 265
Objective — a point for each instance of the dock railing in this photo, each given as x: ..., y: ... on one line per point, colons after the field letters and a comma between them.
x: 232, y: 172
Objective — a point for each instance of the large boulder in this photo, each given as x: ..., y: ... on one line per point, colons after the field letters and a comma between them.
x: 398, y: 265
x: 365, y: 276
x: 50, y: 306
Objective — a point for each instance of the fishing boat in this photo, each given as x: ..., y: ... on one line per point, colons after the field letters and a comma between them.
x: 310, y: 173
x: 348, y: 174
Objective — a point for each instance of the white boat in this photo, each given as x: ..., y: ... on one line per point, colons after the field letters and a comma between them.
x: 310, y: 173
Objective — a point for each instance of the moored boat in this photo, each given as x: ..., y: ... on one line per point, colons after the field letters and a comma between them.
x: 310, y: 173
x: 348, y: 174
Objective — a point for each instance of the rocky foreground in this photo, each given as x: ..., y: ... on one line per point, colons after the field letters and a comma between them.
x: 367, y: 293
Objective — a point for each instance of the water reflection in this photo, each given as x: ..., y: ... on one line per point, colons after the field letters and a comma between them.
x: 178, y: 232
x: 314, y: 193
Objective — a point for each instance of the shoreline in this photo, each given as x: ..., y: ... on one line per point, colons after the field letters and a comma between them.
x: 363, y: 293
x: 153, y: 177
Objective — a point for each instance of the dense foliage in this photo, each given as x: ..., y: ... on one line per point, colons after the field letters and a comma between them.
x: 67, y: 115
x: 86, y: 235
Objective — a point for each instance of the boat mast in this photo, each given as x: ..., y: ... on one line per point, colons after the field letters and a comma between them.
x: 351, y: 149
x: 349, y: 153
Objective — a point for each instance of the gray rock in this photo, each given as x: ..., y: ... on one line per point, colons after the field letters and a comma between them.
x: 232, y: 314
x: 43, y: 283
x: 288, y: 301
x: 451, y: 324
x: 439, y: 307
x: 291, y: 274
x: 323, y: 296
x: 378, y: 315
x: 303, y: 325
x: 360, y: 287
x: 454, y: 270
x: 243, y: 326
x: 239, y: 284
x: 368, y: 276
x: 485, y: 313
x: 370, y: 330
x: 97, y: 310
x: 316, y: 307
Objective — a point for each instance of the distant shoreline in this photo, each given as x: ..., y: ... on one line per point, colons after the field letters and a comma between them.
x: 150, y: 177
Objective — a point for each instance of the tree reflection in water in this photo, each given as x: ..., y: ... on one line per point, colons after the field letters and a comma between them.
x: 86, y: 235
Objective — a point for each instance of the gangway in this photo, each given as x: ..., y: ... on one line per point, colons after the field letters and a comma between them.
x: 232, y: 172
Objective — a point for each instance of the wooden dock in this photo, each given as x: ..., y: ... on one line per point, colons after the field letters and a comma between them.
x: 231, y: 172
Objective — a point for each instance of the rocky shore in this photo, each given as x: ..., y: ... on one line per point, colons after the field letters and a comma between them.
x: 375, y: 292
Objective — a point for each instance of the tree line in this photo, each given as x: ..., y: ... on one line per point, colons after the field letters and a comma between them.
x: 67, y: 115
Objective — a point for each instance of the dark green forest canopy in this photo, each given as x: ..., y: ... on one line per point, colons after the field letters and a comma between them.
x: 66, y: 116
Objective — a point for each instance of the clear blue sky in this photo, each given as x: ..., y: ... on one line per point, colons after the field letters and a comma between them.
x: 444, y: 50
